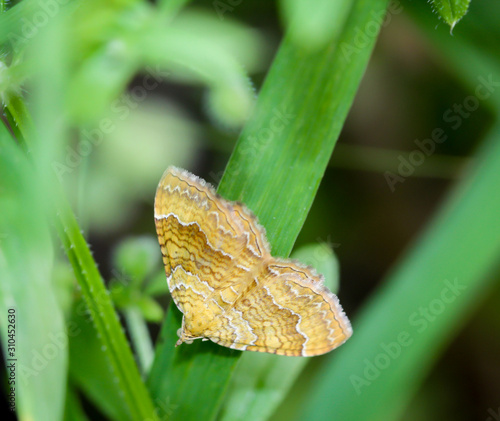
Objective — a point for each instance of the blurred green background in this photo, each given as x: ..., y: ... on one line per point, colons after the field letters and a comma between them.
x: 100, y: 97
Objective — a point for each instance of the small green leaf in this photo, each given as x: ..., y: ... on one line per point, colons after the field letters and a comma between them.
x: 312, y: 26
x: 322, y: 258
x: 121, y: 294
x: 157, y: 285
x: 229, y: 105
x: 451, y: 10
x: 136, y: 258
x: 150, y: 309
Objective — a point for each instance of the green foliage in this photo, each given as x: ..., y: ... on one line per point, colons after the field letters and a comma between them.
x: 86, y: 127
x: 313, y: 27
x: 135, y: 258
x: 451, y: 10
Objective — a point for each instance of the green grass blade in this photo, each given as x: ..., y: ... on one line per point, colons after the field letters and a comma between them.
x: 275, y: 169
x: 40, y: 353
x: 73, y: 410
x: 288, y: 142
x: 114, y: 343
x: 186, y: 382
x: 404, y: 327
x: 140, y: 338
x: 89, y: 369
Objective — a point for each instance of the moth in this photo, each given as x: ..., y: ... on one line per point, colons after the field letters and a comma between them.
x: 222, y: 277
